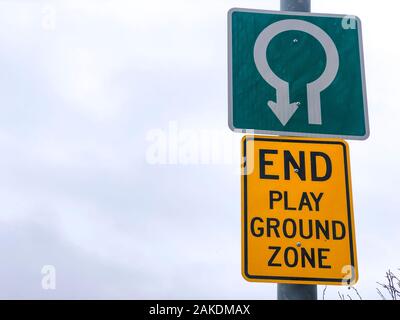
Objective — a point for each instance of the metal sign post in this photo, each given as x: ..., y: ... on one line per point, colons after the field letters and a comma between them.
x: 296, y: 291
x: 296, y: 5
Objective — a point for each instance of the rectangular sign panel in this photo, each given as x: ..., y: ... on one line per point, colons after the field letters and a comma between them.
x: 297, y: 214
x: 296, y: 74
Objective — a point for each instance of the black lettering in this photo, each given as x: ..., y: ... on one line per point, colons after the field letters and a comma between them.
x: 300, y: 169
x: 259, y: 231
x: 273, y: 224
x: 310, y: 229
x: 328, y: 163
x: 317, y: 199
x: 264, y: 163
x: 286, y: 201
x: 305, y: 201
x: 274, y: 196
x: 322, y: 257
x: 310, y: 258
x: 320, y: 228
x: 335, y: 234
x: 285, y: 228
x: 271, y: 260
x: 295, y: 257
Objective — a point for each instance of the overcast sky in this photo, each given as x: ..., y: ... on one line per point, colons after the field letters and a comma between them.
x: 86, y: 86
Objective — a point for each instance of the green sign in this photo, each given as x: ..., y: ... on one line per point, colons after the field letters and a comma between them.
x: 296, y: 74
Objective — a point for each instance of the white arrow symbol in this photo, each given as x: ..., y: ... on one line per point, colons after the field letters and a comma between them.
x: 282, y: 108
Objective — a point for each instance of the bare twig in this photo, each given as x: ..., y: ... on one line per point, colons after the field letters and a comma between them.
x: 392, y: 286
x: 380, y: 293
x: 358, y: 294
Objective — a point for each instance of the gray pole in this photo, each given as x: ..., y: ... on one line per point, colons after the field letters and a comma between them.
x: 296, y: 5
x: 297, y: 291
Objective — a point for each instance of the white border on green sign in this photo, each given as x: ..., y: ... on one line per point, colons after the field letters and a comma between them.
x: 286, y: 133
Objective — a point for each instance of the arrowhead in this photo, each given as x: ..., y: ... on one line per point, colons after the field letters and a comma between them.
x: 283, y: 111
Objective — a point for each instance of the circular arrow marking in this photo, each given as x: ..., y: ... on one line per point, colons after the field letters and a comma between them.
x: 282, y: 108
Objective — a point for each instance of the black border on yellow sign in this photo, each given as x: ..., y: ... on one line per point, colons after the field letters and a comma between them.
x: 245, y: 223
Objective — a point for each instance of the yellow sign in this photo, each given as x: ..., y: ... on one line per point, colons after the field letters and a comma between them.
x: 297, y: 212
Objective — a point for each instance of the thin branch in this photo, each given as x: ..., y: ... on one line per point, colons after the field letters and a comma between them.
x: 392, y: 286
x: 358, y: 294
x: 380, y: 293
